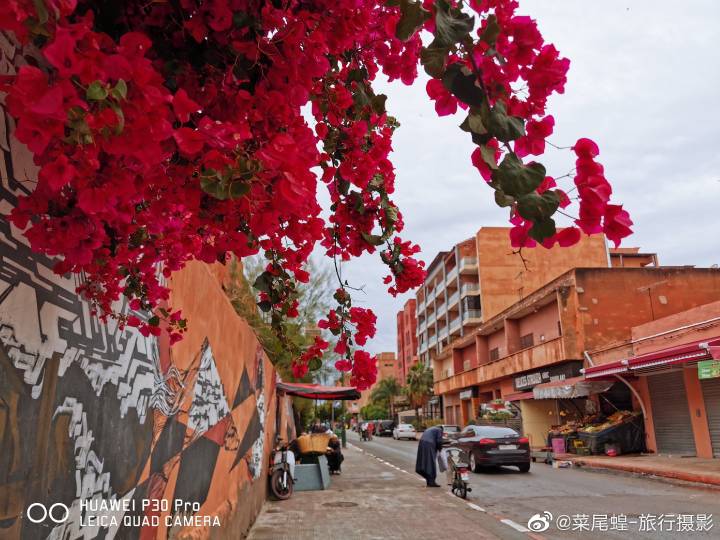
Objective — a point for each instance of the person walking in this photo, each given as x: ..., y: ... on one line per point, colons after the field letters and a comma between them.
x: 427, y: 453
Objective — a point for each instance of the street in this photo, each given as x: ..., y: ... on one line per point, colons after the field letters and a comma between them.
x: 572, y: 492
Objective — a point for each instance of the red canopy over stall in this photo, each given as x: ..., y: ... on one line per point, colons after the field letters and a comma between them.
x: 316, y: 391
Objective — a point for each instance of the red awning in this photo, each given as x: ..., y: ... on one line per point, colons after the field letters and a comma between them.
x: 680, y: 354
x: 518, y: 396
x: 316, y: 391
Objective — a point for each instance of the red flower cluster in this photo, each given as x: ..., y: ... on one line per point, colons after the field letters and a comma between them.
x: 162, y: 143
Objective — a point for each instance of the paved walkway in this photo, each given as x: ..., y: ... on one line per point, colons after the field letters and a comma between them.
x: 374, y: 499
x: 704, y: 471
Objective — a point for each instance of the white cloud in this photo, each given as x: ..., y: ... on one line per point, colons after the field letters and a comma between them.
x: 643, y: 83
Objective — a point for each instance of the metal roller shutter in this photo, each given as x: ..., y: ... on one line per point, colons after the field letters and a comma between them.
x: 671, y: 416
x: 711, y: 393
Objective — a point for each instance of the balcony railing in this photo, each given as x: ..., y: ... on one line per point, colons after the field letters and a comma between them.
x: 432, y: 341
x: 471, y: 314
x: 451, y: 275
x: 421, y: 327
x: 469, y: 288
x: 442, y: 308
x: 420, y: 307
x: 453, y: 298
x: 430, y: 296
x: 444, y: 333
x: 455, y: 324
x: 468, y: 263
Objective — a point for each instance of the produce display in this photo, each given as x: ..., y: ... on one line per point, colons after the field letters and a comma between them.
x: 613, y: 420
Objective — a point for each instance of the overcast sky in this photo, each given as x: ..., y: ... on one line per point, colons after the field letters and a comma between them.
x: 644, y: 84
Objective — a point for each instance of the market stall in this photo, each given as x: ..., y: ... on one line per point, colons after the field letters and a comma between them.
x: 619, y: 433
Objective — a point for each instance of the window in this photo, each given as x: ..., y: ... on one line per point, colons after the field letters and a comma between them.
x: 526, y: 341
x: 494, y: 354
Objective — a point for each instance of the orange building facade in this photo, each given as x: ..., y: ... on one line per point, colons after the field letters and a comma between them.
x: 664, y: 361
x: 387, y: 366
x: 547, y: 335
x: 407, y: 339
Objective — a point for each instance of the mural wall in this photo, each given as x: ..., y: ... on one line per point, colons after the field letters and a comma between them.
x: 109, y: 433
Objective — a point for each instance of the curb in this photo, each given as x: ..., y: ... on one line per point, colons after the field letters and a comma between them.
x: 696, y: 478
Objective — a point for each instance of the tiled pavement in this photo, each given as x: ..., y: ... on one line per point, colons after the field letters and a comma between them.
x: 374, y: 499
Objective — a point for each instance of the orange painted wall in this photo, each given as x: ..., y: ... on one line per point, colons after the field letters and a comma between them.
x: 611, y: 302
x: 235, y: 496
x: 504, y: 279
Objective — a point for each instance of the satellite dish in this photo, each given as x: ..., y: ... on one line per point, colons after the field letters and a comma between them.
x: 715, y: 265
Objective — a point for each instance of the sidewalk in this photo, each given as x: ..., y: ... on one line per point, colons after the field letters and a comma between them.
x: 703, y: 471
x: 375, y: 500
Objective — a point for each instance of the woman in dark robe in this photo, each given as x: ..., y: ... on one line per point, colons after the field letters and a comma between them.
x: 428, y: 447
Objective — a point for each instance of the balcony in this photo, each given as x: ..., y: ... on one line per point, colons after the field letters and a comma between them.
x: 455, y: 325
x: 444, y: 333
x: 422, y: 326
x: 453, y: 299
x: 537, y: 357
x: 420, y: 307
x: 468, y: 265
x: 472, y: 316
x: 422, y: 347
x: 431, y: 319
x: 469, y: 289
x: 442, y: 308
x: 432, y: 341
x: 430, y: 296
x: 451, y: 275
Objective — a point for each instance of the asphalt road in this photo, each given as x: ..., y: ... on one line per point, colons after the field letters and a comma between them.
x: 606, y: 498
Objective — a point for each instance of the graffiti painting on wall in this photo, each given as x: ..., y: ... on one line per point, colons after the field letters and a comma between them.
x: 88, y: 412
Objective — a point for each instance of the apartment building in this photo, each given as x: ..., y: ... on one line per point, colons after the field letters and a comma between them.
x: 481, y: 276
x: 544, y: 337
x: 407, y: 339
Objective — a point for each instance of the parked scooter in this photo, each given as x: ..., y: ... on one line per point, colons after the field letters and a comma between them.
x: 458, y: 473
x: 282, y: 471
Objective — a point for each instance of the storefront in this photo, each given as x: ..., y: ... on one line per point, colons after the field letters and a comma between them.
x: 679, y: 388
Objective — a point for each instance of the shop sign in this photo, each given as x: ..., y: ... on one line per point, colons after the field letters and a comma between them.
x: 550, y: 374
x: 434, y: 400
x: 466, y: 394
x: 708, y: 369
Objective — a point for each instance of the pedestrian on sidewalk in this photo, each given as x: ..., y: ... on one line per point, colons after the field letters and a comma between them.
x: 428, y: 447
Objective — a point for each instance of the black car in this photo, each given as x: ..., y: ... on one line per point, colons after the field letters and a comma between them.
x: 384, y: 428
x: 490, y: 446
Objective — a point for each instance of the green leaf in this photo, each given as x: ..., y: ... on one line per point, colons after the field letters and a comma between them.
x: 378, y: 103
x: 120, y: 90
x: 434, y: 58
x: 474, y: 123
x: 413, y: 15
x: 213, y: 186
x: 373, y: 239
x: 451, y: 24
x: 314, y: 364
x: 263, y: 282
x: 42, y: 11
x: 538, y: 207
x: 264, y: 306
x: 238, y: 189
x: 154, y: 321
x: 121, y: 118
x: 461, y: 82
x: 96, y: 91
x: 505, y: 128
x: 492, y: 30
x: 542, y: 229
x: 503, y: 200
x: 517, y: 179
x: 488, y: 155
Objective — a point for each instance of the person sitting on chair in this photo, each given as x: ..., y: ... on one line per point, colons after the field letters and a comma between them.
x: 334, y: 455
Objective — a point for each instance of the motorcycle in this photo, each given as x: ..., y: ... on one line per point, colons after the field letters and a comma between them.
x: 458, y: 473
x: 282, y: 472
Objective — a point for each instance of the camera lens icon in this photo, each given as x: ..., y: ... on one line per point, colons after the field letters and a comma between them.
x: 540, y: 522
x: 38, y: 513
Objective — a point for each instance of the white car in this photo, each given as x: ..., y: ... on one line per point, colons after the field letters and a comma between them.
x: 404, y: 431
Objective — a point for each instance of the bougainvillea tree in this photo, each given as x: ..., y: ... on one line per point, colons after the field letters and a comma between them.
x: 173, y: 130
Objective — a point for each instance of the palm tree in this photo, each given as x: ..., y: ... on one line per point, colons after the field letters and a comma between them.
x: 419, y: 386
x: 385, y: 391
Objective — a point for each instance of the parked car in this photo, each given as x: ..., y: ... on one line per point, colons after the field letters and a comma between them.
x: 488, y: 446
x: 449, y: 430
x: 404, y: 431
x: 385, y: 428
